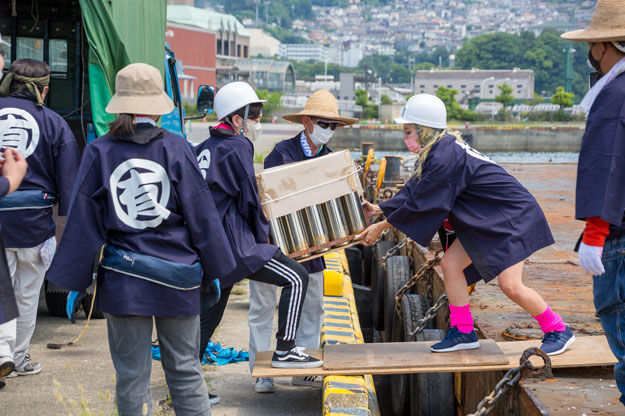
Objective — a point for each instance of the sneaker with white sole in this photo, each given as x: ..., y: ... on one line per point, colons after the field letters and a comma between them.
x: 27, y: 368
x: 555, y: 342
x: 264, y: 385
x: 294, y: 358
x: 309, y: 381
x: 455, y: 341
x: 213, y: 399
x: 6, y: 366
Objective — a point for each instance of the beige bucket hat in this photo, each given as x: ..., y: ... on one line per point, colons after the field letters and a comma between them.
x: 607, y: 24
x: 321, y: 104
x: 139, y: 90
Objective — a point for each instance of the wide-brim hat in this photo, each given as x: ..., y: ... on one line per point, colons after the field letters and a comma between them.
x: 139, y: 90
x: 321, y: 104
x: 606, y: 24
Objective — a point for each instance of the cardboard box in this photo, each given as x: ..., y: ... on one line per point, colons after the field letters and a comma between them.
x: 288, y: 188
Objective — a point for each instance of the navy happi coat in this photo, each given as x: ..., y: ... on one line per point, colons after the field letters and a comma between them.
x: 8, y: 306
x: 48, y: 145
x: 289, y: 151
x: 497, y: 220
x: 600, y: 190
x: 144, y: 194
x: 227, y: 161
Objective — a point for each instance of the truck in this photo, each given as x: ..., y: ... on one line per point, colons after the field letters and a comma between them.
x: 85, y: 43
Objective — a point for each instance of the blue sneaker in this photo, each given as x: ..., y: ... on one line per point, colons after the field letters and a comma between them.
x: 555, y: 342
x: 455, y: 341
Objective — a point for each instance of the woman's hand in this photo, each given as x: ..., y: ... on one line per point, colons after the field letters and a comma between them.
x: 13, y: 167
x: 370, y: 209
x: 370, y: 234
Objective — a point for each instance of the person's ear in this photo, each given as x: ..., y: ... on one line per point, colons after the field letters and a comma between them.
x: 237, y: 121
x: 308, y: 124
x: 44, y: 92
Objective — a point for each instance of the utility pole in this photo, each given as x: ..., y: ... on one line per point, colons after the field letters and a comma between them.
x: 411, y: 62
x: 568, y: 69
x: 257, y: 2
x: 266, y: 18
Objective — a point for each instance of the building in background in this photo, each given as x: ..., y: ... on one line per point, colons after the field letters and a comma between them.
x: 232, y: 40
x: 303, y: 52
x: 195, y: 54
x: 262, y: 43
x: 267, y: 74
x: 476, y: 83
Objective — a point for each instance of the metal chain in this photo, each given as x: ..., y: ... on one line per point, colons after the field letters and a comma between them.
x: 512, y: 377
x: 425, y: 267
x: 394, y: 250
x: 429, y: 315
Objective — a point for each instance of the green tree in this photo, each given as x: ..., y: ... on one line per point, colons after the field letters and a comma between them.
x: 505, y: 97
x: 562, y: 98
x: 273, y: 101
x: 369, y: 109
x: 448, y: 96
x: 384, y: 99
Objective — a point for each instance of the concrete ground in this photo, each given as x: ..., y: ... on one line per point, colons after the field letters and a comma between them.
x: 85, y: 373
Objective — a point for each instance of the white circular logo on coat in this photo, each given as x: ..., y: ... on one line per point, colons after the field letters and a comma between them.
x: 19, y: 130
x: 140, y: 190
x: 204, y: 160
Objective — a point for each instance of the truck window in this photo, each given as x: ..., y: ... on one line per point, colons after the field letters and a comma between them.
x: 29, y: 48
x: 58, y: 55
x: 32, y: 48
x: 173, y: 79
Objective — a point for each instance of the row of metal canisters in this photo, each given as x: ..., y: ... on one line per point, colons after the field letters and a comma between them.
x: 319, y: 224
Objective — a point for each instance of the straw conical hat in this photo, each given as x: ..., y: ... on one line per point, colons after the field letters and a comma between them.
x: 607, y: 24
x: 321, y: 104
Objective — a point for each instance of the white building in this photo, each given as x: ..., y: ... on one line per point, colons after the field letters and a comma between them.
x: 261, y: 43
x: 352, y: 57
x: 302, y: 52
x: 483, y: 84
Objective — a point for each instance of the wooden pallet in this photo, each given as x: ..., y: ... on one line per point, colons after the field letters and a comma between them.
x: 591, y: 351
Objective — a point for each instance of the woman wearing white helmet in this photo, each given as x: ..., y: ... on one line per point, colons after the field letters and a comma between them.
x: 498, y: 223
x: 227, y: 163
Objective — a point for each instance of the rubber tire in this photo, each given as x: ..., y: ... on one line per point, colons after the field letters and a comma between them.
x: 377, y: 278
x: 354, y: 262
x: 413, y: 308
x: 86, y: 304
x: 367, y: 265
x: 432, y: 394
x: 56, y: 299
x: 397, y: 274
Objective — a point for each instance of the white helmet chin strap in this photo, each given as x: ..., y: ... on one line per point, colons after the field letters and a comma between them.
x: 242, y: 128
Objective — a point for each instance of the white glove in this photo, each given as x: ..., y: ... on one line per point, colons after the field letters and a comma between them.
x: 590, y: 259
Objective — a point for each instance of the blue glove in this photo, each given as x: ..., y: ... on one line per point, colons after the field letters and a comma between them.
x: 214, y: 292
x: 73, y: 303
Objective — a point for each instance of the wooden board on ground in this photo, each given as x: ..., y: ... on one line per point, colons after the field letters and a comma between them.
x: 591, y: 351
x: 399, y: 355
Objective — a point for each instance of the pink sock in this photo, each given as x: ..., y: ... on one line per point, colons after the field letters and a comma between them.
x: 550, y: 321
x: 460, y: 316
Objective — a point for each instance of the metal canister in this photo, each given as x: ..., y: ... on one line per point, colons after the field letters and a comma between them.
x: 277, y: 235
x: 335, y: 220
x: 316, y: 230
x: 353, y: 213
x: 293, y: 227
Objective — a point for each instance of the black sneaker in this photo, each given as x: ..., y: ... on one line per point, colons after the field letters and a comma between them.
x: 294, y: 358
x: 213, y: 399
x: 555, y: 342
x: 455, y: 341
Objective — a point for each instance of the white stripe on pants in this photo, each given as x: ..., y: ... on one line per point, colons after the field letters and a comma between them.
x: 27, y: 273
x: 262, y: 308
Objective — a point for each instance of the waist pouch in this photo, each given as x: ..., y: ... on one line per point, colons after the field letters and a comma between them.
x: 32, y: 199
x: 163, y: 272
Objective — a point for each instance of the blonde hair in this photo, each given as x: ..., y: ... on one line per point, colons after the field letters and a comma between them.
x: 429, y: 137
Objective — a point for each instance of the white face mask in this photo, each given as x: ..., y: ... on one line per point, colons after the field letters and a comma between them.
x: 254, y: 131
x: 320, y: 136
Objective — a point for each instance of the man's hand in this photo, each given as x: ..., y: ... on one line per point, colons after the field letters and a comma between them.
x: 590, y: 259
x: 370, y: 234
x: 13, y: 167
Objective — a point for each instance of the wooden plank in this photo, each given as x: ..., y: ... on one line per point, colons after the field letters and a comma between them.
x: 591, y: 351
x: 399, y: 355
x: 345, y: 243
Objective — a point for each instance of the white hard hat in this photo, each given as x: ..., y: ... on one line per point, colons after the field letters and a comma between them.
x: 233, y: 96
x: 425, y: 110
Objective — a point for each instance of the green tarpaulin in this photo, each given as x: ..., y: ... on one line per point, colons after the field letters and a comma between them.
x: 120, y: 32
